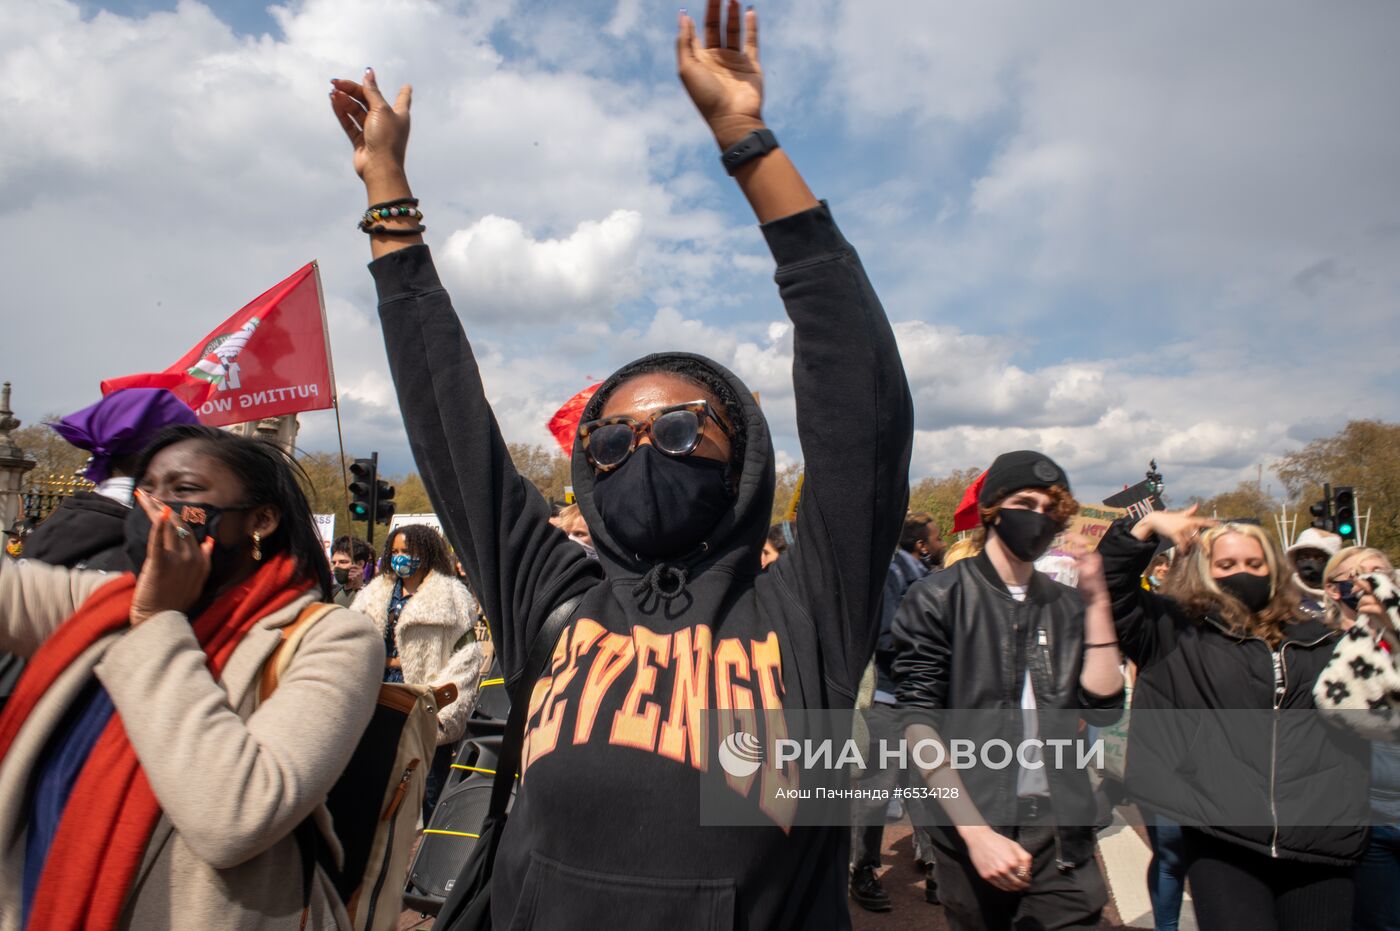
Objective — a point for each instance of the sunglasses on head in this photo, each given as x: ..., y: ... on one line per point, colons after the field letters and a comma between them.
x: 675, y: 431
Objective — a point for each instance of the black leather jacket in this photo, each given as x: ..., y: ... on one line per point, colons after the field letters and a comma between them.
x: 964, y: 645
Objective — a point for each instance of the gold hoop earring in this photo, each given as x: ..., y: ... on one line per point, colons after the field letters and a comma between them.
x: 257, y: 546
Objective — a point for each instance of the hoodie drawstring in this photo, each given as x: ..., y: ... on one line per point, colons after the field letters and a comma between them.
x: 664, y: 581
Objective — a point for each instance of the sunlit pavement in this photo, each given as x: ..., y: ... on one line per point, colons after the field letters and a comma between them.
x: 1123, y: 854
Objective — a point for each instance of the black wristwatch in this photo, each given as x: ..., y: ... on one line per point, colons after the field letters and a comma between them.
x: 756, y: 144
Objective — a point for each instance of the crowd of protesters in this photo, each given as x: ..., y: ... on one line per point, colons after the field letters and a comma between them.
x: 201, y: 674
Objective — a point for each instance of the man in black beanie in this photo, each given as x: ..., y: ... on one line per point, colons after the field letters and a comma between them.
x: 990, y: 632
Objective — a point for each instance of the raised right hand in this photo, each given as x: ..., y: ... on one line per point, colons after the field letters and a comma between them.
x: 176, y: 568
x: 999, y: 860
x: 1181, y: 527
x: 378, y: 131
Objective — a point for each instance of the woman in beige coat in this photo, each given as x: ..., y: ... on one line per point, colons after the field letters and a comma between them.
x: 142, y: 784
x: 427, y: 619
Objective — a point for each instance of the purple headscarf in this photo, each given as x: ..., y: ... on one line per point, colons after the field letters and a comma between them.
x: 122, y: 423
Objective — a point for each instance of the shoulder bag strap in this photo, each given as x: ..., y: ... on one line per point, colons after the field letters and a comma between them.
x: 291, y: 635
x: 541, y: 649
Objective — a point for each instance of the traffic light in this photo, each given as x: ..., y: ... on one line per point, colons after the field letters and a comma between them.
x: 363, y: 487
x: 1344, y: 513
x: 371, y: 498
x: 383, y: 501
x: 1322, y: 518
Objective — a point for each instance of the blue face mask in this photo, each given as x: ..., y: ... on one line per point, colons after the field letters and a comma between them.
x: 404, y: 565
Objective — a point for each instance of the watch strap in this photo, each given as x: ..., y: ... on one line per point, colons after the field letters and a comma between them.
x: 756, y: 144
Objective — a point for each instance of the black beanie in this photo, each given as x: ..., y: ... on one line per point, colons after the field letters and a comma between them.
x: 1024, y: 468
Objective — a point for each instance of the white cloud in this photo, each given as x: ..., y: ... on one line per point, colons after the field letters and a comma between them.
x: 962, y: 379
x: 495, y: 265
x: 1107, y: 232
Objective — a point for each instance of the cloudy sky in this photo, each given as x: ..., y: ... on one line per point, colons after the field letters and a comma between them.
x: 1111, y: 231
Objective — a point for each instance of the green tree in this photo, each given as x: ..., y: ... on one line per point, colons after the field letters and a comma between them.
x: 1364, y: 454
x: 939, y: 496
x: 788, y: 479
x: 1248, y: 500
x: 52, y: 454
x: 324, y: 485
x: 326, y: 474
x: 544, y: 466
x: 411, y: 495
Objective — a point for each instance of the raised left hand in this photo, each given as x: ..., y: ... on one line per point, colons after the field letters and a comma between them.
x: 723, y: 77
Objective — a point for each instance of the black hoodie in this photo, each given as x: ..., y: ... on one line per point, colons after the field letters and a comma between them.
x: 606, y: 828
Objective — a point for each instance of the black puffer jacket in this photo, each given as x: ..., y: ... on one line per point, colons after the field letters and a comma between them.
x: 964, y: 644
x: 1269, y: 774
x: 86, y: 531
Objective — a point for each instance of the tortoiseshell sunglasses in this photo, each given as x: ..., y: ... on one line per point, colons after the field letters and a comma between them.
x: 675, y: 431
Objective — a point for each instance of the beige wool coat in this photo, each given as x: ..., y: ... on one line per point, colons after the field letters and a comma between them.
x: 233, y: 778
x: 435, y: 641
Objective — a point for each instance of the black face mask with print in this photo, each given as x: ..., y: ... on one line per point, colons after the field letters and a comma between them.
x: 202, y: 521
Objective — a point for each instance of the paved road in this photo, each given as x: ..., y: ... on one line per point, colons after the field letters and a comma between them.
x: 1123, y: 853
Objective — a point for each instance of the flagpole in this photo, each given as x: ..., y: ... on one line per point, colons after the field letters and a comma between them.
x: 335, y: 390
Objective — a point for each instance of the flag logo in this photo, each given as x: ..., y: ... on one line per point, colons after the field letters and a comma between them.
x: 270, y: 358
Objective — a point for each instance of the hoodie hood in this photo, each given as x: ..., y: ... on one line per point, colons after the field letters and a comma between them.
x: 737, y: 539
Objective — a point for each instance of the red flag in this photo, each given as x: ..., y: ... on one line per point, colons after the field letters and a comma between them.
x: 270, y: 358
x: 564, y: 423
x: 967, y: 517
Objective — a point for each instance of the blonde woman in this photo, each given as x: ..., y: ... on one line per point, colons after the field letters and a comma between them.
x: 1273, y: 812
x: 1356, y: 604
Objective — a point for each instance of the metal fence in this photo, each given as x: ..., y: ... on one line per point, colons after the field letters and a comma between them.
x: 43, y: 495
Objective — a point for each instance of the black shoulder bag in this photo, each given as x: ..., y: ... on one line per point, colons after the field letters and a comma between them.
x: 468, y: 905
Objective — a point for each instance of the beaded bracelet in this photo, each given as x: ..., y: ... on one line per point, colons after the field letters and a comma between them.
x: 376, y: 214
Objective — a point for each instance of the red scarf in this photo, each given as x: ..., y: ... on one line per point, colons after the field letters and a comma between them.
x: 112, y: 811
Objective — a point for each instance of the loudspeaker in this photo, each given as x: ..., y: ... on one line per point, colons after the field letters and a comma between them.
x: 492, y: 700
x: 450, y: 835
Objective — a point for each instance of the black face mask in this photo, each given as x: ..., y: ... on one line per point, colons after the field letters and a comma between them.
x: 342, y: 575
x: 1253, y: 591
x: 1310, y: 571
x: 662, y: 506
x: 931, y: 558
x: 1347, y: 594
x: 203, y: 522
x: 1027, y: 534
